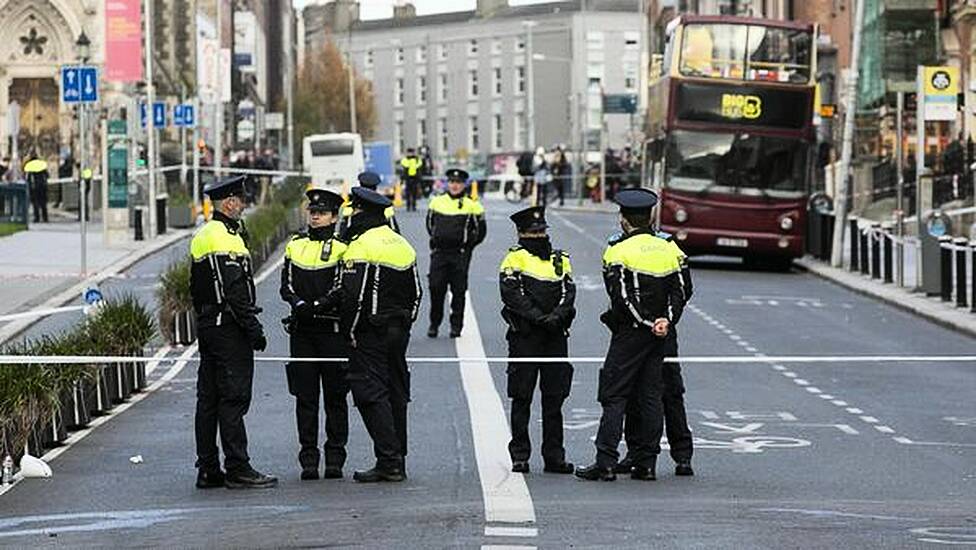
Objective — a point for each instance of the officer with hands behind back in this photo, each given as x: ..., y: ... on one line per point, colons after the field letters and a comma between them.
x: 222, y: 286
x: 539, y: 298
x: 642, y: 276
x: 309, y: 280
x: 456, y: 224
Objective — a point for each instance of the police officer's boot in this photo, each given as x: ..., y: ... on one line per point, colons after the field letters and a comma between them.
x: 209, y: 479
x: 520, y: 466
x: 683, y: 468
x: 644, y: 473
x: 432, y: 332
x: 595, y: 472
x: 624, y: 466
x: 332, y: 472
x: 379, y: 474
x: 249, y: 478
x: 558, y: 467
x: 310, y: 473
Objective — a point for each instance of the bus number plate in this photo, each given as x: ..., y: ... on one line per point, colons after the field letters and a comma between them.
x: 732, y: 243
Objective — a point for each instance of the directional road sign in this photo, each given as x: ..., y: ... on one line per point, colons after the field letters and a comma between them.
x: 89, y: 84
x: 620, y: 103
x: 159, y: 114
x: 183, y: 115
x: 70, y: 85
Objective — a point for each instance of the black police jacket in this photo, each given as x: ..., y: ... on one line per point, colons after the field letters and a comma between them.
x: 309, y: 277
x: 533, y: 288
x: 455, y: 223
x: 642, y: 276
x: 221, y: 280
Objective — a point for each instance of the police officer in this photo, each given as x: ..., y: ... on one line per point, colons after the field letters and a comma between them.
x: 308, y: 280
x: 380, y: 297
x: 410, y: 167
x: 679, y: 435
x: 222, y: 287
x: 642, y: 276
x: 539, y: 299
x: 371, y: 181
x: 456, y: 224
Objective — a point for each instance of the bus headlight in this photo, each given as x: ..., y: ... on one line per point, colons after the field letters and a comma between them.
x: 680, y: 215
x: 786, y: 223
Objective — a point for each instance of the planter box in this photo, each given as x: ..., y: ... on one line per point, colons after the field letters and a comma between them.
x: 184, y: 328
x: 110, y: 388
x: 82, y: 404
x: 180, y: 215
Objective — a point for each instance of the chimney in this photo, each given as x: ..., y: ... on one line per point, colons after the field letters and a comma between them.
x: 487, y: 8
x: 341, y: 15
x: 404, y: 10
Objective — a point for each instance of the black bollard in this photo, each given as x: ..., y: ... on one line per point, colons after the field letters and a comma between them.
x: 945, y: 251
x: 972, y: 256
x: 865, y: 266
x: 875, y: 236
x: 855, y: 242
x: 961, y: 247
x: 889, y: 271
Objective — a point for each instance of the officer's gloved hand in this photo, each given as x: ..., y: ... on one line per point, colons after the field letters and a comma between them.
x: 552, y: 322
x: 259, y: 343
x: 304, y: 311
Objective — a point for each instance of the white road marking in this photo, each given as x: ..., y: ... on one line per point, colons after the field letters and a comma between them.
x: 801, y: 382
x: 834, y: 513
x: 884, y: 429
x: 903, y: 440
x: 511, y: 531
x: 789, y: 374
x: 506, y: 495
x: 869, y: 419
x: 779, y: 368
x: 826, y: 396
x: 812, y: 389
x: 854, y: 410
x: 907, y: 441
x: 751, y: 349
x: 506, y: 547
x: 839, y: 403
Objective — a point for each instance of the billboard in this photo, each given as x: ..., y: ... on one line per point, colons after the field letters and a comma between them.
x: 745, y: 105
x: 123, y: 41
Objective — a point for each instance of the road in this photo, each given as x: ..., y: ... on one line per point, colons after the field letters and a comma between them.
x: 866, y: 455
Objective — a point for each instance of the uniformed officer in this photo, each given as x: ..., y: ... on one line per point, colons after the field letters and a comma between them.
x: 410, y: 167
x: 309, y: 277
x: 222, y: 287
x: 456, y: 224
x: 371, y: 181
x: 642, y: 277
x: 679, y: 435
x: 380, y: 298
x: 539, y: 299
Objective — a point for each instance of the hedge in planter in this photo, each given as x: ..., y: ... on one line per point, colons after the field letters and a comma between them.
x: 177, y: 322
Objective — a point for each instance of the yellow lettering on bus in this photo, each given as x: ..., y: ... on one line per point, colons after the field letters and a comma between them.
x: 741, y: 106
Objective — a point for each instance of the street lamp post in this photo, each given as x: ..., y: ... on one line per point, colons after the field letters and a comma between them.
x: 529, y: 73
x: 150, y: 124
x: 83, y: 45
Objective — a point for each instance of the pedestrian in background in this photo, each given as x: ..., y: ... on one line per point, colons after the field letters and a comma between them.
x: 642, y: 275
x: 309, y: 280
x: 410, y: 167
x: 222, y: 286
x: 37, y: 175
x: 539, y: 299
x: 456, y: 225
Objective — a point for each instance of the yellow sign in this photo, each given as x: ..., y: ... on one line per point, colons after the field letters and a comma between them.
x: 827, y: 110
x: 941, y: 81
x: 741, y: 106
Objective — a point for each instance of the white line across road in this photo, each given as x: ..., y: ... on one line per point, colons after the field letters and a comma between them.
x: 506, y: 495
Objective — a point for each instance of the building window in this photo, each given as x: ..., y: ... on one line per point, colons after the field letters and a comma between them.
x: 473, y: 84
x: 520, y: 79
x: 442, y: 52
x: 497, y: 131
x: 398, y: 91
x: 520, y: 44
x: 496, y: 47
x: 631, y: 40
x: 398, y: 137
x: 368, y: 61
x: 421, y: 90
x: 521, y: 131
x: 442, y: 87
x: 421, y: 132
x: 442, y: 126
x: 472, y: 47
x: 473, y: 133
x: 630, y: 77
x: 421, y: 54
x: 497, y: 76
x: 399, y: 56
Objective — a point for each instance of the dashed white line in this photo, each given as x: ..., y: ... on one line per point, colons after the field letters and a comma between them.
x: 801, y: 382
x: 812, y: 389
x: 839, y: 402
x: 869, y: 419
x: 884, y: 429
x: 789, y: 374
x: 511, y: 531
x: 779, y: 368
x: 826, y: 396
x: 854, y: 410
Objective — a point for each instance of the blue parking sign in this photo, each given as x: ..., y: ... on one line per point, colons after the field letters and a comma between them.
x: 189, y: 117
x: 178, y: 114
x: 159, y: 114
x: 88, y: 78
x: 70, y: 85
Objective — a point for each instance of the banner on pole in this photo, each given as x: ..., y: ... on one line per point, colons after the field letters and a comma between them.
x: 123, y: 41
x: 941, y: 87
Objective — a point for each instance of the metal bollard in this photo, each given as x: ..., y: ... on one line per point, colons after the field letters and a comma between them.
x: 973, y: 257
x: 945, y: 259
x: 855, y: 241
x: 865, y: 266
x: 889, y: 271
x: 875, y: 237
x: 961, y: 247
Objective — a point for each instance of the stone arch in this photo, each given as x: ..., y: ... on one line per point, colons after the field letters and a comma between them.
x: 54, y: 23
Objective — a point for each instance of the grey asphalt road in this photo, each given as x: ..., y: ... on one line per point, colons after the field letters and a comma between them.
x: 866, y: 455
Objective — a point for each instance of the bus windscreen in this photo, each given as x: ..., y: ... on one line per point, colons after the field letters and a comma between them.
x: 332, y: 147
x: 746, y: 52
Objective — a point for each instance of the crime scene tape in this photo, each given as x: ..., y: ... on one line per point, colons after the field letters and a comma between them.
x: 703, y: 359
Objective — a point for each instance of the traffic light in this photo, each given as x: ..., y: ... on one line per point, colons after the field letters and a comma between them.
x: 911, y: 101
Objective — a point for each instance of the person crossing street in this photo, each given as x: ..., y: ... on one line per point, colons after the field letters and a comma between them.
x: 539, y: 299
x: 308, y: 281
x: 456, y: 225
x: 222, y: 287
x: 410, y: 172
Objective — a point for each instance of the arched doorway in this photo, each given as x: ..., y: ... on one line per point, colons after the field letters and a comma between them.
x: 38, y: 101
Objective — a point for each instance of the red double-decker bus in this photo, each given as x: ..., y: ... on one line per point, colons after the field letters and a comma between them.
x: 730, y: 121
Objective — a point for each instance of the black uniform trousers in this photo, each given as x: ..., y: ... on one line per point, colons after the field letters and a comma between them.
x: 633, y: 370
x: 223, y: 397
x: 38, y: 198
x: 448, y: 268
x: 306, y: 381
x: 555, y: 380
x: 411, y: 190
x: 675, y: 417
x: 380, y: 384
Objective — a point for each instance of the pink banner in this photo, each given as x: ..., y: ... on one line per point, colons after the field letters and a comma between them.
x: 123, y: 41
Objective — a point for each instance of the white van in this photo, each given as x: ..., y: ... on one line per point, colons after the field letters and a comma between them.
x: 333, y: 160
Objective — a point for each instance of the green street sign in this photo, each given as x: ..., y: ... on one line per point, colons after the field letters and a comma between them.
x: 118, y: 165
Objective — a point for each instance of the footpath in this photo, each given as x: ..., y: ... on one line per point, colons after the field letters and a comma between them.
x: 40, y: 268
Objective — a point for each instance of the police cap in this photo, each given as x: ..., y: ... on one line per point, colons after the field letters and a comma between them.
x: 530, y: 220
x: 456, y: 174
x: 322, y: 200
x: 636, y: 201
x: 225, y: 187
x: 370, y: 180
x: 369, y: 200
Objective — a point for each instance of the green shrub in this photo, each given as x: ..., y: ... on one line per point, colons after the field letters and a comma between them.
x: 120, y: 326
x: 173, y: 295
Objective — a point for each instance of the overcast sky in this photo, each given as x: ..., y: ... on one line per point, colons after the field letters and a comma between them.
x: 382, y: 9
